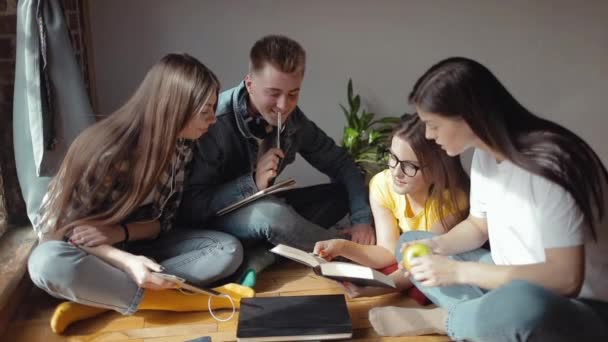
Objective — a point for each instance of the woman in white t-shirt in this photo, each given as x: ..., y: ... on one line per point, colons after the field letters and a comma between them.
x: 538, y: 193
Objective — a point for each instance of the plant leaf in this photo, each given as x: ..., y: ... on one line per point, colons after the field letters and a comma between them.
x: 366, y: 119
x: 387, y: 120
x: 373, y: 137
x: 350, y: 138
x: 366, y: 150
x: 347, y: 114
x: 355, y: 112
x: 349, y: 92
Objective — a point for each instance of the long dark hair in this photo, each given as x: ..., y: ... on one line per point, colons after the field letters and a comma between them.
x: 461, y: 87
x: 443, y: 174
x: 144, y: 132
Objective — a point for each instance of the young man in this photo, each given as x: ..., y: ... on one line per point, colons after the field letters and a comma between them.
x: 239, y: 156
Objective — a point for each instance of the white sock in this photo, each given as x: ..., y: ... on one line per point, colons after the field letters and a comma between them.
x: 395, y: 321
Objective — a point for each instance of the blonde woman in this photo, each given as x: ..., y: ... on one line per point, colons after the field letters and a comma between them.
x: 423, y: 189
x: 106, y: 223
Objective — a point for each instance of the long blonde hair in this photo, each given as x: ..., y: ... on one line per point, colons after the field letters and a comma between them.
x: 126, y: 152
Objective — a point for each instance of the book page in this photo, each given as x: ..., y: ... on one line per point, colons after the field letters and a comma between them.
x: 356, y: 274
x: 280, y: 186
x: 297, y: 255
x: 343, y: 269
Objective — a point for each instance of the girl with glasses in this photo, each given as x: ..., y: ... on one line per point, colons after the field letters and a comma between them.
x: 423, y: 189
x: 106, y: 223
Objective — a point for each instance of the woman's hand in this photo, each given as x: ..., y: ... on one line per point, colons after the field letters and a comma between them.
x: 435, y: 270
x: 330, y: 249
x: 91, y: 236
x: 140, y: 269
x: 431, y: 243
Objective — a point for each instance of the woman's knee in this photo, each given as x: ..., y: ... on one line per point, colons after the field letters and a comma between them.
x: 527, y: 304
x: 51, y: 265
x: 410, y: 236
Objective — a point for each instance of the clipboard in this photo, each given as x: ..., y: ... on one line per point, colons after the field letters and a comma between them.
x: 286, y: 184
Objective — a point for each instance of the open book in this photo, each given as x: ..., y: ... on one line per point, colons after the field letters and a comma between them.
x: 286, y: 184
x: 340, y: 271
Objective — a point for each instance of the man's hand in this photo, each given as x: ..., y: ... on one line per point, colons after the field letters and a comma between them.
x: 362, y: 233
x: 267, y: 167
x: 91, y: 236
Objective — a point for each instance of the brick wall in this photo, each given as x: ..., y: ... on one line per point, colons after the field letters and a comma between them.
x: 12, y: 207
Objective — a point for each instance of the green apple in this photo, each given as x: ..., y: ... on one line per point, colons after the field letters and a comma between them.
x: 413, y: 251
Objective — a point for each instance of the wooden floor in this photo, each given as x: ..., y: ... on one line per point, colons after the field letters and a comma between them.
x: 31, y: 322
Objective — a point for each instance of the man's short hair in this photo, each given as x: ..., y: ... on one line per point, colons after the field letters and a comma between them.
x: 282, y: 52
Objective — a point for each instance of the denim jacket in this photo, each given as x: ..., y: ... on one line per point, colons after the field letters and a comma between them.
x: 226, y: 157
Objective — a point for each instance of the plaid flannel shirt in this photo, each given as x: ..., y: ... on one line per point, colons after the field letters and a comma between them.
x: 166, y: 197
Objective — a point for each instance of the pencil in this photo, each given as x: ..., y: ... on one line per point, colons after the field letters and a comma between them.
x: 279, y: 130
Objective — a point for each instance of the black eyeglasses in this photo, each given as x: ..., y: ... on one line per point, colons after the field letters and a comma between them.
x: 408, y: 168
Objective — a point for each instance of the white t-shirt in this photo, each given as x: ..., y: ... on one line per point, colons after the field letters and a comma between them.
x: 527, y: 213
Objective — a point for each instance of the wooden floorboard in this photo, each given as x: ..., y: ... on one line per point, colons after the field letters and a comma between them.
x: 31, y: 322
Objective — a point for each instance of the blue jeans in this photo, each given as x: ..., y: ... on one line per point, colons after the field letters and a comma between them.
x: 298, y: 218
x: 516, y: 311
x: 65, y: 271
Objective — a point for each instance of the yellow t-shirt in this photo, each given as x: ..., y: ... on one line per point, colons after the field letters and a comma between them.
x: 381, y: 190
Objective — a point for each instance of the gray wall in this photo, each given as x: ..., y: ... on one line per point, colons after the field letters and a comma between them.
x: 552, y: 55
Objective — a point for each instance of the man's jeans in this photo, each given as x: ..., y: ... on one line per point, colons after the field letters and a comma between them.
x: 65, y: 271
x: 516, y: 311
x: 298, y: 217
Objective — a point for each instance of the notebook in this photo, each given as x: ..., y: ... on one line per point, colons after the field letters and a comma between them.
x: 336, y: 270
x: 294, y: 318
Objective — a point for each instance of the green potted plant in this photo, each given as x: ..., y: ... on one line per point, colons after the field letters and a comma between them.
x: 364, y: 138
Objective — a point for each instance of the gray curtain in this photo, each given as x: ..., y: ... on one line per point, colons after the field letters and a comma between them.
x: 51, y: 106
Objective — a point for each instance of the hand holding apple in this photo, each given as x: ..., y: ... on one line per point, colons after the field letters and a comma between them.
x: 412, y: 251
x: 437, y: 270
